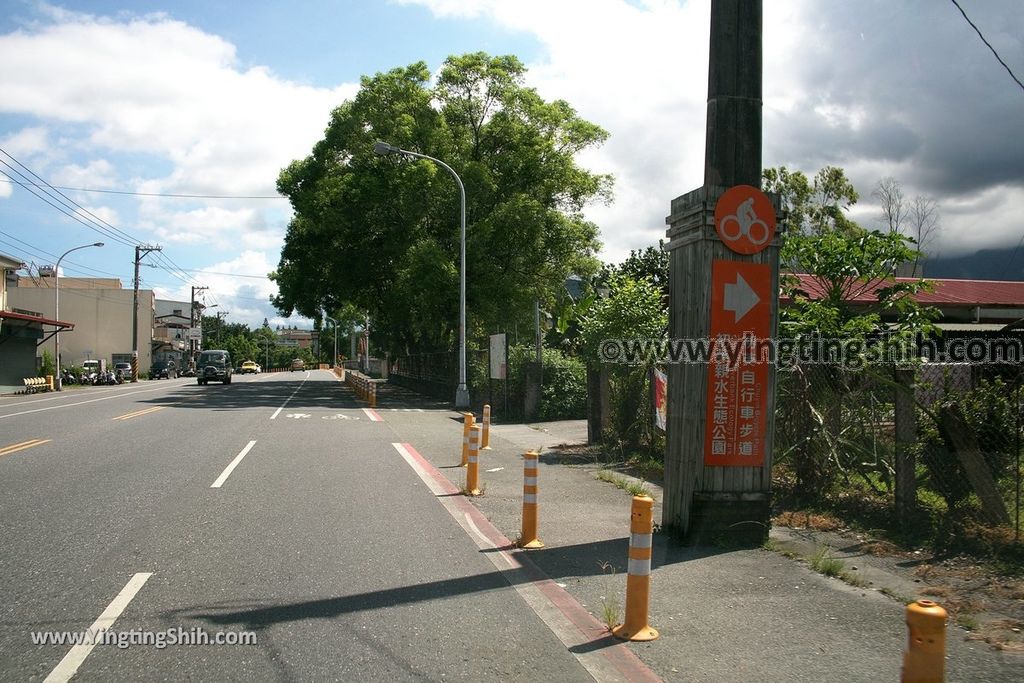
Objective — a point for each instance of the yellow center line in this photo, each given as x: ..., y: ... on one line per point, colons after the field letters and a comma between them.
x: 137, y: 413
x: 15, y: 447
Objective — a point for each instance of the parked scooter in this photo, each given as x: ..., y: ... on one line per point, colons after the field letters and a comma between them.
x: 68, y: 377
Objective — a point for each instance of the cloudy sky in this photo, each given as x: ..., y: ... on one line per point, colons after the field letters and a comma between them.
x: 197, y: 98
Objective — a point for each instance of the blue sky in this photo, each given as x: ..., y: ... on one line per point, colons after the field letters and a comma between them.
x: 214, y: 98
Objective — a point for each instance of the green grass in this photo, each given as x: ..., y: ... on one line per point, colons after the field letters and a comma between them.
x: 636, y: 488
x: 611, y: 608
x: 853, y: 579
x: 895, y: 596
x: 966, y: 621
x: 823, y: 562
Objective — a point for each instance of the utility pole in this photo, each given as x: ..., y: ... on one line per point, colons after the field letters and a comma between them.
x: 140, y: 251
x: 192, y: 343
x: 220, y: 326
x: 720, y: 414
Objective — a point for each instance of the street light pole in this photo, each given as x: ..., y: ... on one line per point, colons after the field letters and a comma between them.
x: 334, y: 361
x: 56, y: 306
x: 462, y: 391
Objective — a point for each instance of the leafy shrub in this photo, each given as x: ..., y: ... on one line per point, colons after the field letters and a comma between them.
x: 563, y: 387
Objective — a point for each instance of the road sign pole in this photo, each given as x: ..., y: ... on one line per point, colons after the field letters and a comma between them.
x: 718, y: 464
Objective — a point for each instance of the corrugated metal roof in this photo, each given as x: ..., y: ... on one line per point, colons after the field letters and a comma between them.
x: 947, y: 292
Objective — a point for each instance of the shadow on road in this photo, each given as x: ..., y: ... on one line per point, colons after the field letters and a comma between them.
x: 586, y: 559
x: 321, y: 390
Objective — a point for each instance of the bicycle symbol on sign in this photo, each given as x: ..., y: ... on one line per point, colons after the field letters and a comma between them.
x: 745, y: 223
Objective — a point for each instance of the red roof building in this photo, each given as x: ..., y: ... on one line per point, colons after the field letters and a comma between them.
x: 960, y: 301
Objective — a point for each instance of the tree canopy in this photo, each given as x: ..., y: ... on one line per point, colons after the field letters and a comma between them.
x: 845, y: 260
x: 381, y: 234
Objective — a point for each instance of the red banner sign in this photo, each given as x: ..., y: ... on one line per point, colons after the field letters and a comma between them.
x: 737, y: 408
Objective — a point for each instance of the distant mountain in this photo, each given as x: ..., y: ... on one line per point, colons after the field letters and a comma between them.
x: 987, y: 264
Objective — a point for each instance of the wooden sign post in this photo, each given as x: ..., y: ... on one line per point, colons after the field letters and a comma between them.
x: 721, y: 413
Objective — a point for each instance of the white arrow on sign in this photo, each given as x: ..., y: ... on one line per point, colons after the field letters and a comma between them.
x: 740, y: 298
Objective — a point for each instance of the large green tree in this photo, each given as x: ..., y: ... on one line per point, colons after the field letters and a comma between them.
x: 381, y: 234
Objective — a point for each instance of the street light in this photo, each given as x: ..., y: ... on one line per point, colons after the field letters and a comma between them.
x: 461, y: 392
x: 56, y: 306
x: 334, y: 361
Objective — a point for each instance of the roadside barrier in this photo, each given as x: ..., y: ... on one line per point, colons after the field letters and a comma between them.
x: 528, y: 535
x: 364, y: 388
x: 34, y: 384
x: 473, y: 467
x: 638, y: 580
x: 925, y: 658
x: 467, y: 423
x: 485, y: 440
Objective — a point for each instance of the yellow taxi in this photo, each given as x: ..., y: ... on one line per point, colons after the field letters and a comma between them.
x: 250, y: 366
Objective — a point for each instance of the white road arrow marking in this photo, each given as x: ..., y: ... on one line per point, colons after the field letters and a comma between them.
x: 298, y: 416
x: 740, y: 298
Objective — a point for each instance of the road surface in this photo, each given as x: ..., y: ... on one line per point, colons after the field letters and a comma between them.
x: 275, y: 506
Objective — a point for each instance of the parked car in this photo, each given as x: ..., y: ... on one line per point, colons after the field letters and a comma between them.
x: 214, y: 366
x: 298, y: 364
x: 250, y: 366
x: 163, y: 369
x: 124, y: 369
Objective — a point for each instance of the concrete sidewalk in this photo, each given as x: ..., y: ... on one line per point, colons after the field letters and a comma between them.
x: 724, y: 615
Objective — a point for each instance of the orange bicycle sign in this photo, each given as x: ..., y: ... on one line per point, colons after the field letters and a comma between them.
x: 745, y: 219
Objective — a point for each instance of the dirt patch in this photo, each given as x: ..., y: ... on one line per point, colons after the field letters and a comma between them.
x: 977, y: 597
x: 807, y: 520
x: 1001, y: 634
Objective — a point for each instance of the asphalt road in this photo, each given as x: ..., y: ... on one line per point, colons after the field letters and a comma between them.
x: 275, y: 505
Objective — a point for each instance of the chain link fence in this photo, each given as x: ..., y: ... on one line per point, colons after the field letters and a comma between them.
x: 843, y: 436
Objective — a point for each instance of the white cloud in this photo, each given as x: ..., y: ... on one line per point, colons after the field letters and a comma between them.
x: 102, y: 214
x: 159, y: 86
x: 871, y: 87
x: 98, y: 174
x: 246, y: 299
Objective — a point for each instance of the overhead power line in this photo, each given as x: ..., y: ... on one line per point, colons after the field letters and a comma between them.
x: 51, y: 195
x: 978, y: 31
x: 170, y: 195
x: 41, y: 253
x: 92, y: 221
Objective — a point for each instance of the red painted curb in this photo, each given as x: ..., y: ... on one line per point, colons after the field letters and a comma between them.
x: 620, y: 656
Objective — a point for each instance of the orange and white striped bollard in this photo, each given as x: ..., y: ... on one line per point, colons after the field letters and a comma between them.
x: 373, y: 395
x: 638, y: 580
x: 485, y: 439
x: 528, y: 535
x: 473, y: 466
x: 925, y: 658
x: 467, y: 422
